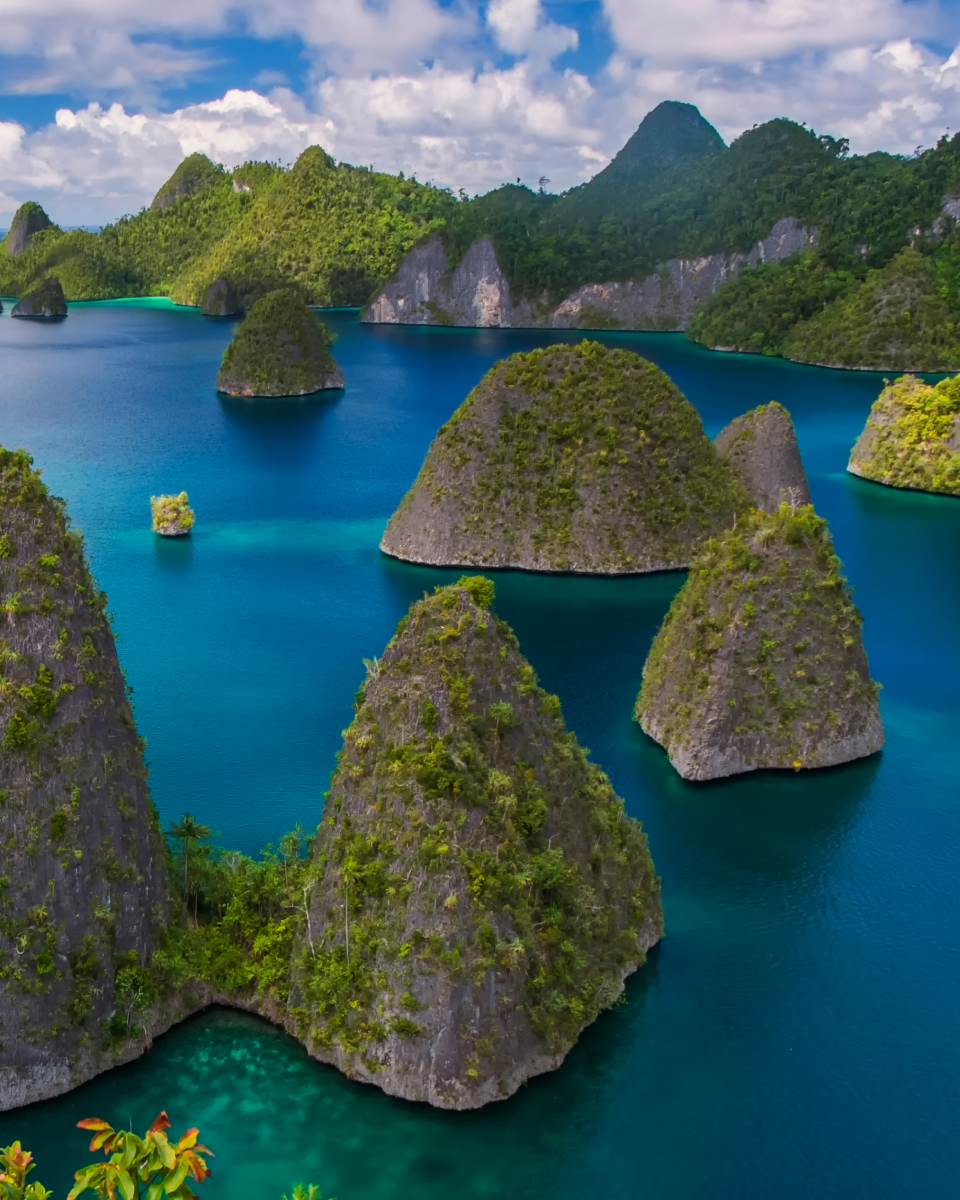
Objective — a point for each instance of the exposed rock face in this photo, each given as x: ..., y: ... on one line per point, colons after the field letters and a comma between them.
x: 491, y: 889
x: 172, y: 516
x: 195, y: 172
x: 280, y: 349
x: 762, y: 445
x: 82, y: 876
x: 573, y: 458
x: 476, y: 292
x: 45, y: 303
x: 27, y: 220
x: 220, y: 300
x: 912, y: 437
x: 760, y: 660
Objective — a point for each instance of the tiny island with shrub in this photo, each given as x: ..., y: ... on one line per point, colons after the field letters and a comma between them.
x: 172, y: 516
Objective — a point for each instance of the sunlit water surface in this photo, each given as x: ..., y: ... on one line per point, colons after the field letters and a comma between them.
x: 795, y: 1034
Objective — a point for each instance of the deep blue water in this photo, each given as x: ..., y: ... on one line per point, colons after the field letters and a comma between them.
x: 796, y: 1033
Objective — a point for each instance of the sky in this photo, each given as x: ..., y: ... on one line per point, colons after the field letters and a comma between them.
x: 101, y: 99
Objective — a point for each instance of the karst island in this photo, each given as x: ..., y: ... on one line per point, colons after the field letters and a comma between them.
x: 280, y: 349
x: 571, y: 458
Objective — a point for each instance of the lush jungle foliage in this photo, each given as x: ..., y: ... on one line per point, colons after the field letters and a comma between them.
x: 135, y: 1168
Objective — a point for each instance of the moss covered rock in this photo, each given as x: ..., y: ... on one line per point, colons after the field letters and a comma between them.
x: 194, y: 173
x: 480, y: 894
x: 220, y: 300
x: 762, y: 445
x: 45, y: 303
x: 83, y: 869
x: 27, y: 220
x: 912, y: 437
x: 760, y: 660
x: 571, y: 458
x: 172, y: 516
x: 280, y: 349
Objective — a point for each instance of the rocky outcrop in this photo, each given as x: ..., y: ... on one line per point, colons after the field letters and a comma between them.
x: 195, y: 172
x: 27, y: 220
x: 480, y: 886
x: 760, y: 660
x: 912, y: 437
x: 762, y: 445
x: 425, y: 291
x: 45, y: 303
x: 220, y: 300
x: 172, y: 516
x: 280, y: 349
x: 83, y: 870
x: 572, y: 458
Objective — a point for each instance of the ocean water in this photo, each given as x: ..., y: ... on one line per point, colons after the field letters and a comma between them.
x: 795, y: 1034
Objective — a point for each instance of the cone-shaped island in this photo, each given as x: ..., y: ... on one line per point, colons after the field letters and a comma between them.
x: 27, y: 220
x: 280, y: 349
x: 762, y: 445
x: 912, y: 437
x: 84, y: 865
x: 760, y: 660
x: 481, y: 894
x: 44, y: 303
x: 571, y: 458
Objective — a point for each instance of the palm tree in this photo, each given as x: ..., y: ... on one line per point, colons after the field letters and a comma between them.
x: 188, y: 831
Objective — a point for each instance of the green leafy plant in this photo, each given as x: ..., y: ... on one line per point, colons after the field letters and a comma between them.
x: 147, y: 1167
x: 17, y: 1164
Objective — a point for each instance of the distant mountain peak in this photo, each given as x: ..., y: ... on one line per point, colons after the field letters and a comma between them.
x: 671, y: 130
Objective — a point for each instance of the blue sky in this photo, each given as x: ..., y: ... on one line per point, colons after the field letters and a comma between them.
x: 99, y: 99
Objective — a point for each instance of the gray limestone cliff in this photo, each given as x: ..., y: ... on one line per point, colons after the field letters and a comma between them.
x: 475, y: 292
x: 195, y: 172
x: 762, y: 445
x: 480, y: 885
x: 44, y: 303
x: 27, y: 220
x: 83, y: 869
x: 220, y: 300
x: 572, y: 458
x: 760, y: 660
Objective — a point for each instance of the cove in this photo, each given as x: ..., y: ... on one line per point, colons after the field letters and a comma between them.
x: 795, y: 1033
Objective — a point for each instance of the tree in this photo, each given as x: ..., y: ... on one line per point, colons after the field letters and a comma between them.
x: 189, y: 832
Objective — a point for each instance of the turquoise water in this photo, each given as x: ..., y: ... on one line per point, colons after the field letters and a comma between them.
x: 795, y: 1034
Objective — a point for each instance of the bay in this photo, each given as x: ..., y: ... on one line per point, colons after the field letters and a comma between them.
x: 795, y: 1033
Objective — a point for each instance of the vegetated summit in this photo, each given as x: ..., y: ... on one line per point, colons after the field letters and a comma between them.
x: 572, y: 458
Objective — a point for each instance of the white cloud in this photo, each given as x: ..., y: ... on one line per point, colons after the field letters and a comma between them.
x: 522, y: 27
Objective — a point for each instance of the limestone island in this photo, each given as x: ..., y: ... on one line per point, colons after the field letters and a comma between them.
x: 172, y: 515
x: 220, y: 300
x: 477, y: 869
x: 84, y: 887
x: 912, y: 437
x: 27, y: 220
x: 44, y: 303
x: 571, y: 458
x: 760, y: 660
x: 762, y: 445
x: 280, y: 349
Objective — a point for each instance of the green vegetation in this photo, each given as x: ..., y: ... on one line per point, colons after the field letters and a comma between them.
x: 45, y: 302
x: 280, y: 349
x: 759, y: 662
x: 578, y: 458
x: 27, y: 220
x: 912, y: 437
x: 172, y: 516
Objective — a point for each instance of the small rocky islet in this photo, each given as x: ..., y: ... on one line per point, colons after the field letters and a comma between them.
x: 280, y: 348
x: 762, y: 445
x: 44, y: 303
x: 760, y: 662
x: 171, y: 515
x: 572, y: 458
x: 912, y: 437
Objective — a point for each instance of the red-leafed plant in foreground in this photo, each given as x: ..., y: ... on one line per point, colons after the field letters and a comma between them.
x: 147, y: 1167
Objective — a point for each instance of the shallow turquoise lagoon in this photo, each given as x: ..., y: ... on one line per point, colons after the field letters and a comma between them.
x: 796, y: 1034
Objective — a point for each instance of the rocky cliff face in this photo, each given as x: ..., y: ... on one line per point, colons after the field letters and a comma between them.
x: 572, y: 458
x: 480, y: 893
x: 912, y: 437
x: 280, y: 349
x: 82, y: 873
x: 195, y: 172
x: 760, y: 660
x: 762, y: 445
x: 220, y: 300
x: 426, y: 291
x: 45, y: 303
x: 27, y: 220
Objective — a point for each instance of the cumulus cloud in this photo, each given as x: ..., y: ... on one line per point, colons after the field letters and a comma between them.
x: 522, y: 27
